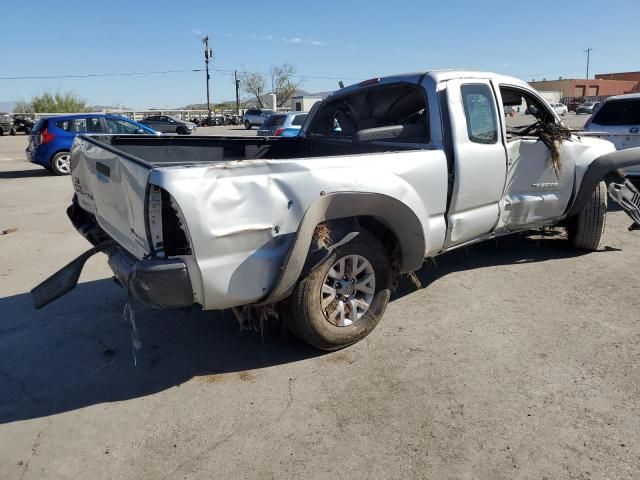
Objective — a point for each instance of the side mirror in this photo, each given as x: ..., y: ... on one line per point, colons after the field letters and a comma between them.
x: 140, y: 131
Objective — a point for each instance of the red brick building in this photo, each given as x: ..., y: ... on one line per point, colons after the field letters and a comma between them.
x: 628, y: 76
x: 599, y: 87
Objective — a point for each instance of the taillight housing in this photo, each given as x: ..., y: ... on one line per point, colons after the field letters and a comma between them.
x: 278, y: 132
x: 45, y: 136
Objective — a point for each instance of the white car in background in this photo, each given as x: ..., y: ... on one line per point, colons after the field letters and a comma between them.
x: 618, y: 120
x: 559, y: 108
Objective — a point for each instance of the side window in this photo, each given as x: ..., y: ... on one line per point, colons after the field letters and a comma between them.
x: 66, y: 125
x: 527, y: 112
x: 480, y: 112
x: 93, y: 125
x: 80, y: 125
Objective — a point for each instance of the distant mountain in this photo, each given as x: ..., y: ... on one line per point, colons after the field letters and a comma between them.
x: 7, y: 106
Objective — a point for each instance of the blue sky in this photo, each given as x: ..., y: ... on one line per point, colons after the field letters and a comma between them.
x: 351, y: 40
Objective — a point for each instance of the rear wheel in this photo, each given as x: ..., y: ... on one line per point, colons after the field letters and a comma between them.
x: 586, y: 228
x: 342, y: 300
x: 60, y: 163
x: 247, y: 125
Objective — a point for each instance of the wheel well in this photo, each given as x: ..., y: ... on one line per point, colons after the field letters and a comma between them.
x: 341, y: 227
x: 384, y: 234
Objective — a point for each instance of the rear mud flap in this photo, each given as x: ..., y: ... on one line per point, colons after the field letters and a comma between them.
x: 65, y: 279
x: 625, y: 194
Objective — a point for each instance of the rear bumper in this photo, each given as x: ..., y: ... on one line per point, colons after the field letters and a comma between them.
x: 157, y: 283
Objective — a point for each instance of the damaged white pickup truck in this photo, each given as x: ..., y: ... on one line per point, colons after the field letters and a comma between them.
x: 384, y: 174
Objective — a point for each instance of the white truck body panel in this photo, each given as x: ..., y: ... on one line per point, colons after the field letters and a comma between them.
x: 233, y: 209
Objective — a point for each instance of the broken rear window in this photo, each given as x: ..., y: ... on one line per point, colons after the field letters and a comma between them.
x: 393, y: 112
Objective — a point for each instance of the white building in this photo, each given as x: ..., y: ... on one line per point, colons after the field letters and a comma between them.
x: 303, y: 103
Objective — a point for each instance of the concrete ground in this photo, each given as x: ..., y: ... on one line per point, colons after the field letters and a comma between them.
x: 518, y: 359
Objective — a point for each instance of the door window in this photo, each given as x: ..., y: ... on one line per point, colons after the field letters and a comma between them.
x: 480, y: 112
x: 529, y: 113
x: 93, y: 125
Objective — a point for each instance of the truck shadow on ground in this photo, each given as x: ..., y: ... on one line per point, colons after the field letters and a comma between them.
x: 77, y: 352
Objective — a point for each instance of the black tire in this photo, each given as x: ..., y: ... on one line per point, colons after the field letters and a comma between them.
x: 586, y: 228
x: 247, y: 125
x: 181, y: 131
x: 55, y: 164
x: 303, y: 310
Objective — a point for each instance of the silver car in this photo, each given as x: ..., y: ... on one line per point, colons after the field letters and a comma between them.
x: 169, y: 124
x: 274, y: 125
x: 255, y: 117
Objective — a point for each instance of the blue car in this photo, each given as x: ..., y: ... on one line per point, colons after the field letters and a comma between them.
x: 51, y: 139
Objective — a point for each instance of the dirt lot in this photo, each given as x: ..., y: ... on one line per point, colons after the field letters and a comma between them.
x: 519, y: 359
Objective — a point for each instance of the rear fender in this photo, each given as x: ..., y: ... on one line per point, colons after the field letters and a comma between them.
x: 394, y: 214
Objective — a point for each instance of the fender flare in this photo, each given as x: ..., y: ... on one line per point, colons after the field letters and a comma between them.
x: 598, y: 171
x: 394, y: 214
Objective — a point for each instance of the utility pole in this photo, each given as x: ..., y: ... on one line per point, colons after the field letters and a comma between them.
x: 588, y: 52
x: 235, y: 75
x: 208, y: 54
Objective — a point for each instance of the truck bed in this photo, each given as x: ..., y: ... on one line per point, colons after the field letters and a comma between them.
x: 167, y: 151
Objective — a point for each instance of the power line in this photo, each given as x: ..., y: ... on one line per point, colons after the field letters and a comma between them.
x: 90, y: 75
x: 162, y: 72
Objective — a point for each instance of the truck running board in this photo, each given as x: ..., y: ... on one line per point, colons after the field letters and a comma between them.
x: 65, y: 279
x: 628, y: 197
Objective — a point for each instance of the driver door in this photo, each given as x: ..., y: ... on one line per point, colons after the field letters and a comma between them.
x: 534, y: 193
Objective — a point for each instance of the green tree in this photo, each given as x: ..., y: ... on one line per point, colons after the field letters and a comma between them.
x: 67, y: 102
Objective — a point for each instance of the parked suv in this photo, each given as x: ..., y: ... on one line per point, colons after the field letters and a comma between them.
x: 51, y: 139
x: 618, y: 120
x: 275, y: 125
x: 255, y: 117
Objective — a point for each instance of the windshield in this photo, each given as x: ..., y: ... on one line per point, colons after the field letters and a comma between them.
x: 619, y: 112
x: 121, y: 126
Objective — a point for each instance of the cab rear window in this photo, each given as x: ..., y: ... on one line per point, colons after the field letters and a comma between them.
x: 618, y: 112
